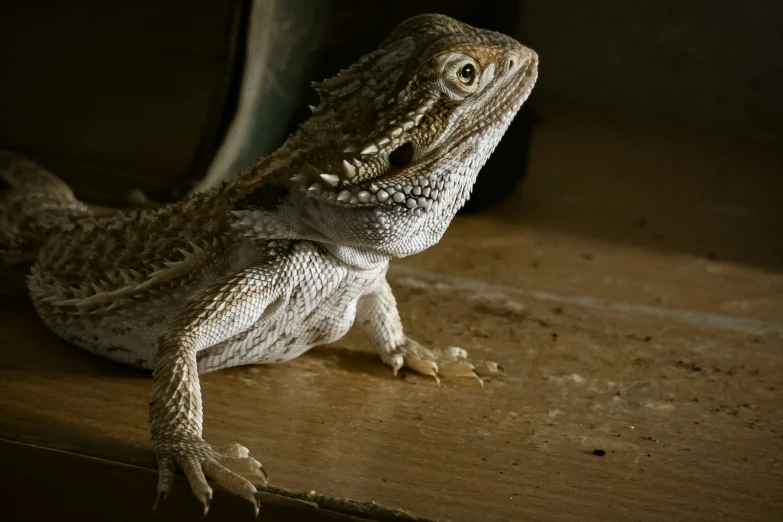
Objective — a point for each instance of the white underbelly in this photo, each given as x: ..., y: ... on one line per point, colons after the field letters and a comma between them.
x: 294, y: 328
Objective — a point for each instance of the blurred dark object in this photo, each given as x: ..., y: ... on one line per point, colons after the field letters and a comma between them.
x: 113, y: 96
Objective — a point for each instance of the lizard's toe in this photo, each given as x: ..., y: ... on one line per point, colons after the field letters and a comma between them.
x: 422, y: 366
x: 248, y: 467
x: 456, y: 363
x: 197, y: 481
x: 238, y: 459
x: 166, y: 472
x: 451, y: 362
x: 234, y: 482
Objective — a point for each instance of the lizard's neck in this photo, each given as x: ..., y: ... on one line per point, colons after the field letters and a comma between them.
x: 265, y: 205
x: 361, y: 258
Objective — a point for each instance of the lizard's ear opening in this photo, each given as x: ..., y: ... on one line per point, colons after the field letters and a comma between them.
x: 402, y: 155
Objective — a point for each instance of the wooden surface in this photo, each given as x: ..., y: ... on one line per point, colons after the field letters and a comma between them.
x: 669, y: 362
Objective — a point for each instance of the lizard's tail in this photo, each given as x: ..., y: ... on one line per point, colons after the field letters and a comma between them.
x: 37, y: 203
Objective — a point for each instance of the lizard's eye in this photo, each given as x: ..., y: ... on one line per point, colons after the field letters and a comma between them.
x: 467, y: 74
x: 460, y: 75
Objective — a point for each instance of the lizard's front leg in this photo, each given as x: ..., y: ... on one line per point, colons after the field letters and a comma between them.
x: 377, y: 314
x: 226, y: 308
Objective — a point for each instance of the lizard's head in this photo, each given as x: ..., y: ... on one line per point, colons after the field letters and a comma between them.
x: 393, y: 148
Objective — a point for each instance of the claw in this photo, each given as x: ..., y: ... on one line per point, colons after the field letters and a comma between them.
x: 198, y: 482
x: 478, y: 377
x: 435, y: 372
x: 206, y: 502
x: 424, y: 367
x: 256, y: 505
x: 258, y: 471
x: 261, y: 472
x: 161, y: 496
x: 165, y: 479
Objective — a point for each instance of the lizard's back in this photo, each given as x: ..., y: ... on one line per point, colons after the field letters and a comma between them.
x: 109, y: 283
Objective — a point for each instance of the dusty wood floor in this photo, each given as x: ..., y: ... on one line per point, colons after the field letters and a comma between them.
x: 633, y: 291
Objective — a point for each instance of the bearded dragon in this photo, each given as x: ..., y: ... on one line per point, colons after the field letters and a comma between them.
x: 288, y: 254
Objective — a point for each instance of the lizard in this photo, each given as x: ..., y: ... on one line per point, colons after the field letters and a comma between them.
x: 288, y: 254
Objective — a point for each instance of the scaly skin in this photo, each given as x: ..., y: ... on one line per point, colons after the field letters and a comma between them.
x: 288, y: 254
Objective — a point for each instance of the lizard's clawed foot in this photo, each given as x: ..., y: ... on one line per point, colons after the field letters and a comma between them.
x: 232, y: 467
x: 451, y: 362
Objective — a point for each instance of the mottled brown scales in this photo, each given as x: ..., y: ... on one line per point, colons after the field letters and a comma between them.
x: 288, y: 254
